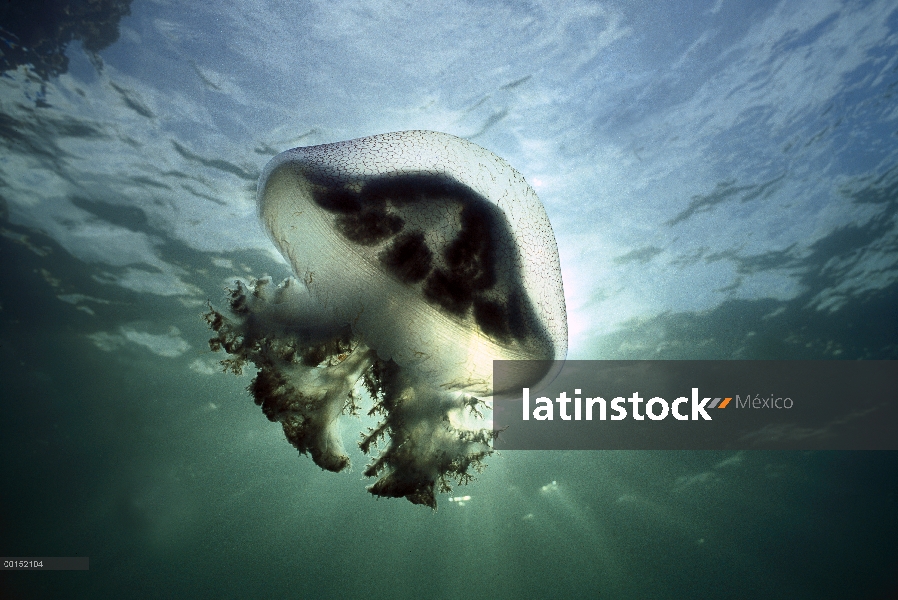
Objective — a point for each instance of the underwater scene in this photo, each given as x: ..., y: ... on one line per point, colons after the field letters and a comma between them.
x: 258, y: 258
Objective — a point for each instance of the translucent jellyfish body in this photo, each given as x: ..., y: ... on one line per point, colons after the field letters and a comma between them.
x: 421, y: 258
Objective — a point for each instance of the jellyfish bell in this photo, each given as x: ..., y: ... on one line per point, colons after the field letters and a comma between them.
x: 426, y: 257
x: 436, y: 249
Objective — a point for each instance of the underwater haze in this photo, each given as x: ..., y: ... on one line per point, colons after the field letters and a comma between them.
x: 722, y: 181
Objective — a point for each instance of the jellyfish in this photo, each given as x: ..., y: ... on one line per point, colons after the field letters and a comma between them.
x: 419, y: 259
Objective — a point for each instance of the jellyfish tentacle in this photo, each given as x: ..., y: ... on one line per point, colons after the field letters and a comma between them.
x: 424, y: 446
x: 303, y: 382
